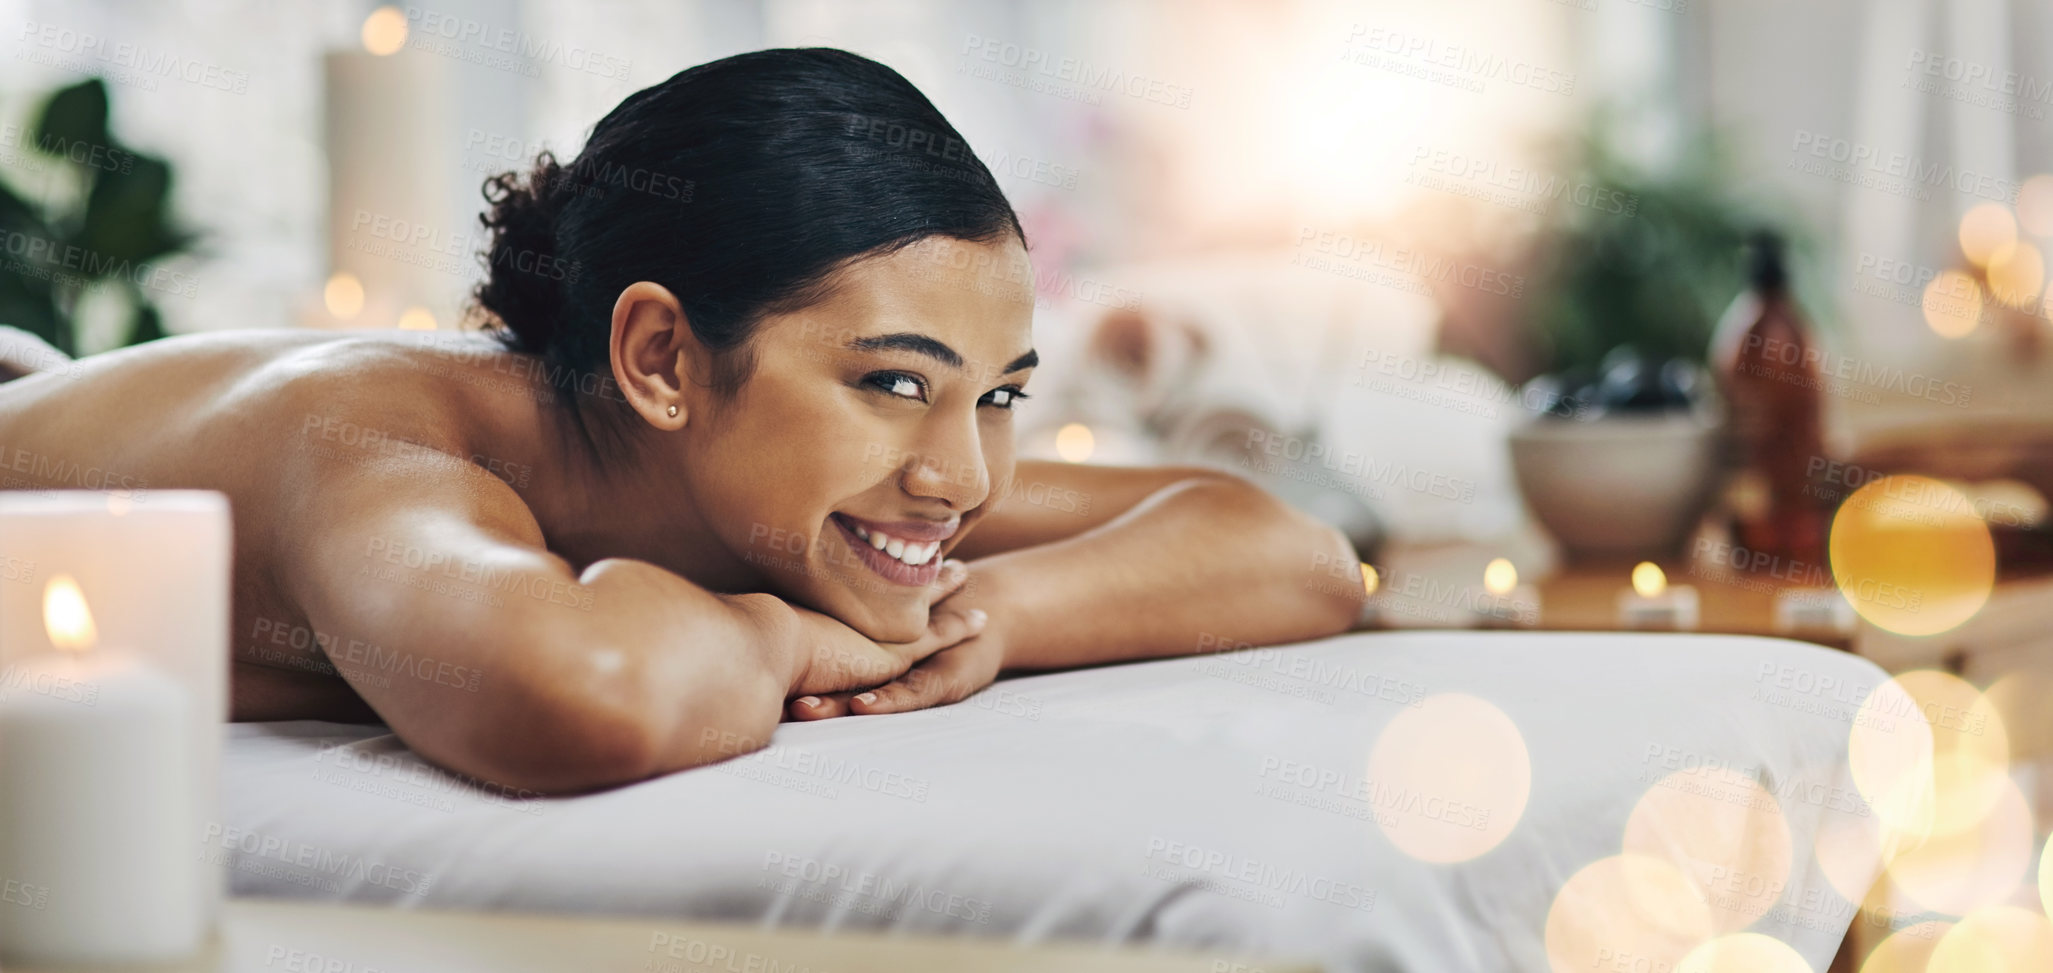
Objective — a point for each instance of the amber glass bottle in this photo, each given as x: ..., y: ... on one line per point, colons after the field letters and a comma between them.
x: 1766, y: 363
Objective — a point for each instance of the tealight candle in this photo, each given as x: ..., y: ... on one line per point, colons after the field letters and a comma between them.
x: 96, y: 792
x: 1652, y: 602
x: 1505, y: 603
x: 1813, y: 609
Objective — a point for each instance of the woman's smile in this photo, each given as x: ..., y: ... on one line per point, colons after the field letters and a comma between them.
x: 905, y: 552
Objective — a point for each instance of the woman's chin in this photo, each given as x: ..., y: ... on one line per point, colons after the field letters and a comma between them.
x: 888, y: 626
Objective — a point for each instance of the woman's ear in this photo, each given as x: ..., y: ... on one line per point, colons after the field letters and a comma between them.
x: 654, y: 354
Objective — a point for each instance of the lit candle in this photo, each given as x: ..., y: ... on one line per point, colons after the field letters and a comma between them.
x: 1505, y: 603
x: 96, y: 801
x: 1371, y: 614
x: 1652, y: 602
x: 156, y: 565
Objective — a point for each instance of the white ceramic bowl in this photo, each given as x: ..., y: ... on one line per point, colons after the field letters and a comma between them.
x: 1621, y: 484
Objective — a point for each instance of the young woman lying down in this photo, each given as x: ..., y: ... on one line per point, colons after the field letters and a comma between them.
x: 737, y: 446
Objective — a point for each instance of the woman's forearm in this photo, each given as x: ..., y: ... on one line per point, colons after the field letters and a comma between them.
x: 1208, y: 561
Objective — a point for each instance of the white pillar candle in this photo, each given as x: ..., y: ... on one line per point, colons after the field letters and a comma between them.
x: 155, y: 569
x: 96, y: 809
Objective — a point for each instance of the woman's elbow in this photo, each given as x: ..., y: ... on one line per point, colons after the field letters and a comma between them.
x: 539, y: 740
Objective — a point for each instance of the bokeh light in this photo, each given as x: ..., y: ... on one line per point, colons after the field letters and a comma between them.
x: 2046, y: 879
x: 1450, y: 778
x: 2020, y: 700
x: 2035, y: 205
x: 385, y: 31
x: 1959, y: 872
x: 1953, y: 304
x: 1911, y: 556
x: 417, y: 319
x: 1984, y: 230
x: 1907, y: 950
x: 344, y: 295
x: 1852, y: 848
x: 1500, y: 576
x: 2001, y: 939
x: 1747, y: 952
x: 1725, y: 831
x: 1370, y: 579
x: 1930, y: 753
x: 1626, y: 909
x: 1648, y: 579
x: 2016, y: 274
x: 1074, y: 442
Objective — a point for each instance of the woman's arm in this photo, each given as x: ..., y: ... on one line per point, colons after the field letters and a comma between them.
x: 434, y: 595
x: 1205, y: 561
x: 1086, y: 565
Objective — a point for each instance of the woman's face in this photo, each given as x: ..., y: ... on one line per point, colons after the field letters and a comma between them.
x: 881, y: 414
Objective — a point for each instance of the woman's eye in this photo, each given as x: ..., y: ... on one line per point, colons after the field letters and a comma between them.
x: 900, y: 385
x: 1006, y: 398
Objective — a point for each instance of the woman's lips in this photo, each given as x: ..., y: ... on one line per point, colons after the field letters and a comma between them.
x: 890, y: 568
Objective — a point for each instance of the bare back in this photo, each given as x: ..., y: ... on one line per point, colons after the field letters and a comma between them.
x: 262, y: 417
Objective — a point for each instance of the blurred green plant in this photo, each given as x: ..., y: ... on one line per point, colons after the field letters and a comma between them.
x: 1640, y: 259
x: 103, y: 220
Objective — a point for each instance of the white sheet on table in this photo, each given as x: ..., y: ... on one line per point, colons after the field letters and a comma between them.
x: 1028, y: 811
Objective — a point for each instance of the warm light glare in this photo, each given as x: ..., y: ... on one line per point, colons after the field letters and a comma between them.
x: 417, y: 319
x: 1953, y: 304
x: 1911, y: 555
x: 1907, y: 950
x: 1977, y: 868
x: 1449, y: 779
x: 1370, y: 579
x: 2016, y: 273
x: 65, y: 615
x: 1625, y: 905
x: 2035, y: 205
x: 1648, y: 580
x: 1074, y: 442
x: 1725, y: 831
x: 1499, y: 577
x: 1747, y: 952
x: 344, y: 295
x: 1984, y: 230
x: 385, y: 31
x: 2001, y: 939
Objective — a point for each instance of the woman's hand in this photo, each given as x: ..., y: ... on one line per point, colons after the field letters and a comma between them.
x: 841, y: 660
x: 947, y: 675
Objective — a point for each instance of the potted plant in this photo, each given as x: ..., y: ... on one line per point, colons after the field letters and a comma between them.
x: 1623, y: 453
x: 99, y: 224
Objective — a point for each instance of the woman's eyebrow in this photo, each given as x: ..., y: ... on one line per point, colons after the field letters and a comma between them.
x: 921, y: 344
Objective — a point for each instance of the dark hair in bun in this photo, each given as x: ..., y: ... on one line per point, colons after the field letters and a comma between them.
x: 739, y: 185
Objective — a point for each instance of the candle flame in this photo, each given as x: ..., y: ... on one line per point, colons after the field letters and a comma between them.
x: 66, y: 617
x: 1499, y: 577
x: 1648, y: 580
x: 1370, y: 580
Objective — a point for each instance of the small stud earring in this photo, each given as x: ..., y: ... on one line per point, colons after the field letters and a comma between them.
x: 673, y: 412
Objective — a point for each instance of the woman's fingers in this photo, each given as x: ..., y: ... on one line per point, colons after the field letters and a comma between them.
x: 818, y: 707
x: 949, y: 579
x: 946, y: 677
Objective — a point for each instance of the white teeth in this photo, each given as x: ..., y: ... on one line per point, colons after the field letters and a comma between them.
x: 910, y: 553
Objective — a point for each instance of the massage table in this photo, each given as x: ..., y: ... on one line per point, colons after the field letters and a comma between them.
x: 1355, y: 800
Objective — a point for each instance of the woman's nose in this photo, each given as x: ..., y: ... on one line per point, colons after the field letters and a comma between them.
x: 955, y: 474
